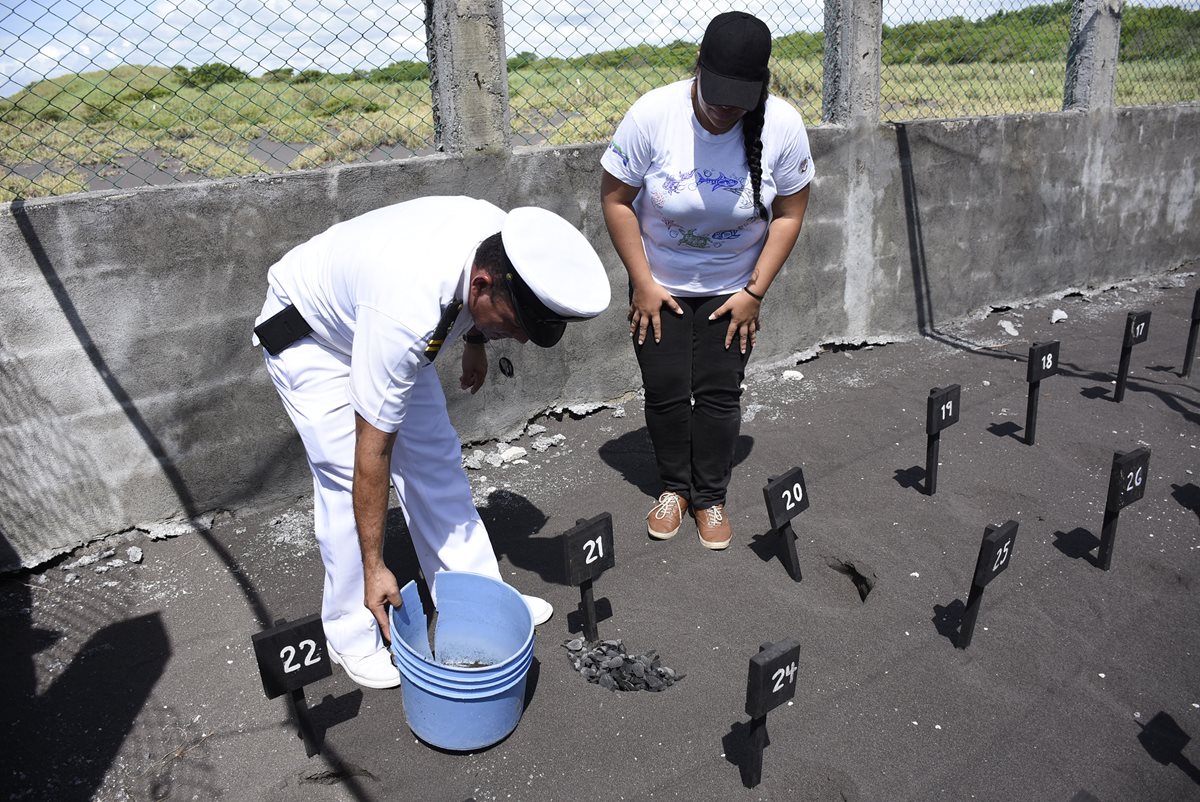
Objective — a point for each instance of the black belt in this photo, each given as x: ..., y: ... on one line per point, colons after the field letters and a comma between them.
x: 282, y: 329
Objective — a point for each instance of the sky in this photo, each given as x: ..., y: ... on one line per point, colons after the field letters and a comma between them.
x: 45, y: 38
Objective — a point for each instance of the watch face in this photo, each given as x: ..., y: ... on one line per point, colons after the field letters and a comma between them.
x: 506, y: 366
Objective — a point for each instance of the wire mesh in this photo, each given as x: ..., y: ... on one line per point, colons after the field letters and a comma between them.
x: 950, y: 59
x: 574, y: 70
x: 1159, y: 57
x: 100, y: 94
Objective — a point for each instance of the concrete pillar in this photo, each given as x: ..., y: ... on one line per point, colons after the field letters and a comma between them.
x: 469, y: 75
x: 853, y: 40
x: 1092, y: 55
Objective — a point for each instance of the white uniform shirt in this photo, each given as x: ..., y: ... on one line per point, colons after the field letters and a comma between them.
x: 700, y: 230
x: 374, y: 289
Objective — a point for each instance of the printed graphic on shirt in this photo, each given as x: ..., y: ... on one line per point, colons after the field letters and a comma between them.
x: 697, y: 180
x: 690, y: 239
x: 615, y: 148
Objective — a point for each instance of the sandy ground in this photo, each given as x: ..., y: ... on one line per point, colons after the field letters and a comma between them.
x: 133, y: 678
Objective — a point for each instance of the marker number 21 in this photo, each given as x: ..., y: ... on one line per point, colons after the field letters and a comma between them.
x: 594, y: 549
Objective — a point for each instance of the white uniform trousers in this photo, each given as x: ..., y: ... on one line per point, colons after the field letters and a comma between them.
x: 427, y: 473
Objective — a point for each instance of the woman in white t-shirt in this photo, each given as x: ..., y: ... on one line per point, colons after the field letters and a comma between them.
x: 688, y: 181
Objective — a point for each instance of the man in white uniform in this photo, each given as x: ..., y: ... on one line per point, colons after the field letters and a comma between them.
x: 352, y: 323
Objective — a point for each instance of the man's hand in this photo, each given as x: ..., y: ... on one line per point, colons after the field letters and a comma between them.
x: 475, y: 367
x: 742, y: 309
x: 381, y: 590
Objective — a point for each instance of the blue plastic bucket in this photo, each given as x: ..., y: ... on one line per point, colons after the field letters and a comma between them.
x: 473, y: 693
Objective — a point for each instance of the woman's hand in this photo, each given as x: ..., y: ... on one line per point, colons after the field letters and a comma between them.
x: 742, y: 309
x: 645, y: 309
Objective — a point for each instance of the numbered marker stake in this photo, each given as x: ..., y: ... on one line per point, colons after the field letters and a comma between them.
x: 941, y: 411
x: 1043, y: 362
x: 587, y: 553
x: 995, y: 554
x: 1189, y: 353
x: 771, y: 682
x: 786, y: 497
x: 1126, y: 484
x: 1137, y: 329
x: 290, y: 656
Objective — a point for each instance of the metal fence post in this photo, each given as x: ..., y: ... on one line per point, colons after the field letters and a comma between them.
x: 853, y: 40
x: 468, y: 75
x: 1092, y: 55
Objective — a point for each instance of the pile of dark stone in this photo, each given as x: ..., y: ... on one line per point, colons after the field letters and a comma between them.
x: 608, y: 665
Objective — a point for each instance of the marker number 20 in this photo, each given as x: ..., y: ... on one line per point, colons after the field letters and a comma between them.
x: 794, y: 495
x: 288, y: 655
x: 594, y: 549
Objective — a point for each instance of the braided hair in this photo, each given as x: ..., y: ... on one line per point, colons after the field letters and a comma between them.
x: 752, y: 126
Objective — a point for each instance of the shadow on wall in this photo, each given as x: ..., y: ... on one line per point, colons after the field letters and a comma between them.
x: 922, y: 291
x: 133, y: 652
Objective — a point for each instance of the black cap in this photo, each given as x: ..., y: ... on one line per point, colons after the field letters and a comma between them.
x: 733, y: 60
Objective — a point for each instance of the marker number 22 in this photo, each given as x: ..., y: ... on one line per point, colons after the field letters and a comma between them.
x: 288, y: 654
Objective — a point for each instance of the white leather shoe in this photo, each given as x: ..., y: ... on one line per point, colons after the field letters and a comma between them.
x: 540, y: 609
x: 373, y: 671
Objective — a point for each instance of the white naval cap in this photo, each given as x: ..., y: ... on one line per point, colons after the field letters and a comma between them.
x: 559, y: 276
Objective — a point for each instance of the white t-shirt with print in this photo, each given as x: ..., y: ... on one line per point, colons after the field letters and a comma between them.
x: 374, y: 288
x: 700, y: 230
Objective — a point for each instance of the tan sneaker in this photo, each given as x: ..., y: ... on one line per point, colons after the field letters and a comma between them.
x: 664, y: 519
x: 715, y: 531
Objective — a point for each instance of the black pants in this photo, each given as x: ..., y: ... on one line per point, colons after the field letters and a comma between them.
x: 693, y: 443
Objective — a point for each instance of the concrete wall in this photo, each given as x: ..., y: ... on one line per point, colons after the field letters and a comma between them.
x: 131, y: 394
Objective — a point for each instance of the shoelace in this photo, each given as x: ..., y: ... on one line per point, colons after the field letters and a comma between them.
x: 664, y: 501
x: 714, y: 515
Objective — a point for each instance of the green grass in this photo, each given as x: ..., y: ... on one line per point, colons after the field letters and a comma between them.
x: 1008, y: 63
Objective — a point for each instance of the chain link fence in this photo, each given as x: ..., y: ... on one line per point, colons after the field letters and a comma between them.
x: 101, y: 94
x: 1159, y: 56
x: 575, y: 70
x: 949, y: 59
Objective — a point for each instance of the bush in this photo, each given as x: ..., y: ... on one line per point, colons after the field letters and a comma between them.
x: 521, y: 61
x: 208, y: 75
x: 281, y: 74
x: 308, y: 77
x: 400, y: 72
